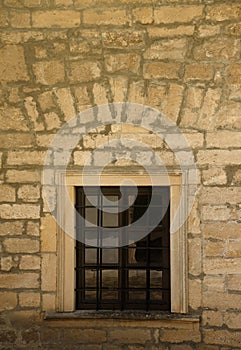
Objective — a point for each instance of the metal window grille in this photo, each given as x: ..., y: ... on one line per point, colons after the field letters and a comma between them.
x: 132, y: 277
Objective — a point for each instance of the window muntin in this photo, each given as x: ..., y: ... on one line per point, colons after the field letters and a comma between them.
x: 136, y: 276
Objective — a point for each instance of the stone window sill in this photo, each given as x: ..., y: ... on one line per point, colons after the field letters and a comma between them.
x: 124, y: 316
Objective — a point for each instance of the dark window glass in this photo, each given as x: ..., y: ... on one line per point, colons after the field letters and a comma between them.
x: 133, y: 277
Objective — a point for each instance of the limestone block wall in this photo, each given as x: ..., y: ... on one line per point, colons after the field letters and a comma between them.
x: 61, y: 57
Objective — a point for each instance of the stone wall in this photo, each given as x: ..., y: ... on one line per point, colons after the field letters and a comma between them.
x: 60, y: 57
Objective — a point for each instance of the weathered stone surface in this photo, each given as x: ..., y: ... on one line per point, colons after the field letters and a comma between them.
x: 10, y: 228
x: 105, y: 17
x: 84, y: 71
x: 12, y: 64
x: 29, y: 193
x: 156, y: 32
x: 29, y: 299
x: 23, y: 176
x: 48, y: 234
x: 48, y: 281
x: 157, y: 70
x: 180, y: 14
x: 180, y: 57
x: 57, y: 19
x: 143, y: 15
x: 30, y: 262
x: 219, y: 157
x: 217, y: 50
x: 122, y: 62
x: 179, y: 336
x: 49, y: 72
x: 167, y: 49
x: 19, y: 211
x: 21, y: 245
x: 197, y: 71
x: 20, y: 19
x: 12, y: 118
x: 26, y: 157
x: 123, y: 39
x: 23, y: 280
x: 128, y: 336
x: 7, y: 193
x: 8, y: 300
x: 223, y: 12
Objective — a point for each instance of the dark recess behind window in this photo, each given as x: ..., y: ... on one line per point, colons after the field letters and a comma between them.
x: 133, y: 277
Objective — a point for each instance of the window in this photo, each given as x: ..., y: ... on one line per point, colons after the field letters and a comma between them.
x: 66, y: 252
x: 133, y: 276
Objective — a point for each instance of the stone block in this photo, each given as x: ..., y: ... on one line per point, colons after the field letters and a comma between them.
x: 21, y: 245
x: 29, y: 299
x: 194, y: 256
x: 84, y: 71
x: 30, y: 262
x: 175, y: 49
x: 123, y: 39
x: 7, y: 193
x: 221, y: 265
x: 65, y: 102
x: 127, y: 336
x: 29, y: 193
x: 48, y: 281
x: 212, y: 318
x: 218, y: 50
x: 49, y: 72
x: 178, y: 14
x: 222, y: 337
x: 164, y: 32
x: 12, y: 64
x: 128, y: 62
x: 8, y: 300
x: 12, y: 118
x: 207, y: 30
x: 20, y: 280
x: 164, y: 70
x: 48, y: 234
x: 219, y: 157
x: 26, y: 157
x: 179, y: 336
x: 10, y: 228
x: 56, y: 19
x: 234, y: 282
x: 84, y: 336
x: 214, y: 176
x: 198, y: 71
x: 223, y: 12
x: 111, y: 16
x: 16, y: 140
x: 143, y: 15
x: 23, y: 176
x: 20, y: 19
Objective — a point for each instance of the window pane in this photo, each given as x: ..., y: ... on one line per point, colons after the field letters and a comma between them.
x: 91, y: 201
x: 90, y: 217
x: 91, y: 238
x: 133, y: 295
x: 113, y: 295
x: 155, y: 279
x: 90, y: 278
x: 137, y: 278
x: 110, y: 256
x: 110, y: 219
x: 110, y: 200
x: 90, y: 256
x: 109, y: 279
